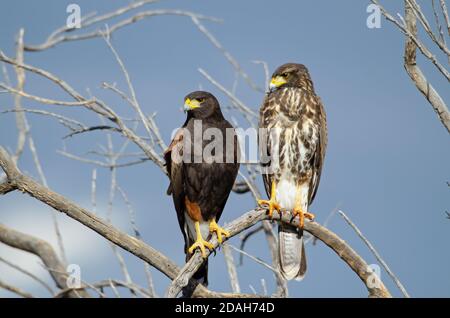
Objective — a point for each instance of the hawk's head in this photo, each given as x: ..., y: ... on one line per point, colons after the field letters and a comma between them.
x: 202, y: 105
x: 291, y: 75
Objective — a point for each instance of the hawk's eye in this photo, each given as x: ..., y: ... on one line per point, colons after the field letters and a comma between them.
x: 285, y: 74
x: 200, y: 100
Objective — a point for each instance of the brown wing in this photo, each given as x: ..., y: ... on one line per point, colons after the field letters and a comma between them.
x: 175, y: 171
x: 209, y: 184
x: 173, y: 166
x: 319, y: 155
x: 266, y: 112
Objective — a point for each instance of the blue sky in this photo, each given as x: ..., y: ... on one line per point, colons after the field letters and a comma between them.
x: 386, y: 164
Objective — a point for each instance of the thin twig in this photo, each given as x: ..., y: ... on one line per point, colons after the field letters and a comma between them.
x: 445, y: 13
x: 15, y: 290
x: 240, y: 105
x: 115, y: 27
x: 21, y: 122
x: 124, y: 70
x: 244, y: 239
x: 232, y: 272
x: 254, y: 258
x: 44, y: 100
x: 408, y: 27
x: 226, y: 53
x: 438, y: 22
x: 375, y: 253
x: 28, y: 273
x: 423, y: 49
x: 266, y: 73
x: 68, y: 122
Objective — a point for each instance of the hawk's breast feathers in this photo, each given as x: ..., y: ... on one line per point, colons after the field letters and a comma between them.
x: 299, y: 116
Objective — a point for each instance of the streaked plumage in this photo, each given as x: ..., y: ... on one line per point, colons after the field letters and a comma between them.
x: 294, y: 108
x: 200, y: 189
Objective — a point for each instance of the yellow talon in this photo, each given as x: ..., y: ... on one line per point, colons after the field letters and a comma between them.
x: 301, y: 216
x: 298, y: 211
x: 214, y: 227
x: 200, y: 242
x: 272, y: 204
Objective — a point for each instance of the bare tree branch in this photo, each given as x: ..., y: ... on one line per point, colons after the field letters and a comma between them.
x: 244, y: 239
x: 232, y: 272
x: 445, y: 13
x: 345, y: 252
x: 6, y: 187
x: 51, y: 42
x: 409, y: 28
x: 272, y: 241
x: 15, y: 290
x: 227, y: 54
x: 423, y: 49
x: 438, y: 22
x: 40, y: 248
x: 21, y: 123
x: 25, y: 131
x: 113, y: 283
x: 148, y: 275
x: 67, y: 122
x: 43, y: 100
x: 98, y: 107
x: 426, y: 25
x: 271, y: 238
x: 240, y: 105
x: 27, y: 273
x: 375, y: 253
x: 254, y: 258
x: 416, y: 74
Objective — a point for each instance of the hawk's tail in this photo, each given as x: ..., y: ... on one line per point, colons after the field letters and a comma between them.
x: 292, y: 258
x: 202, y: 274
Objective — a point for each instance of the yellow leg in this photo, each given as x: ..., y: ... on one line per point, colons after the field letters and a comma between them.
x: 271, y: 203
x: 200, y: 242
x: 298, y: 211
x: 214, y: 227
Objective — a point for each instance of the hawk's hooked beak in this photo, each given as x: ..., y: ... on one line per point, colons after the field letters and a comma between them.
x: 190, y: 104
x: 276, y: 82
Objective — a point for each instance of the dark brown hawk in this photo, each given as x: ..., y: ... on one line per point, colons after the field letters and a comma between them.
x: 294, y: 122
x: 202, y: 164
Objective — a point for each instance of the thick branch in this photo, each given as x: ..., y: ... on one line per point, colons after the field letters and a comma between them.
x: 6, y: 187
x: 44, y: 251
x: 415, y: 73
x: 345, y: 252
